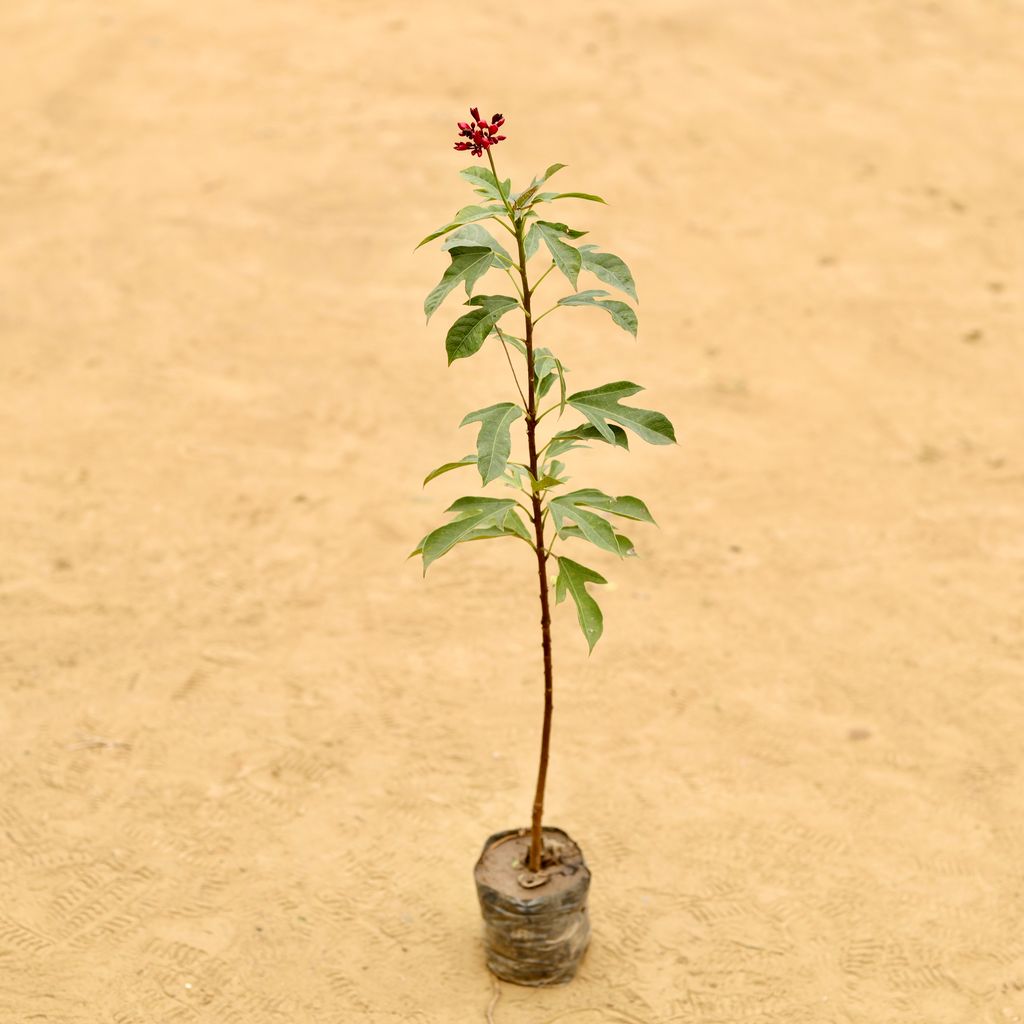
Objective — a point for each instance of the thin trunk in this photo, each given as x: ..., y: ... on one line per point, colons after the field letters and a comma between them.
x: 536, y: 835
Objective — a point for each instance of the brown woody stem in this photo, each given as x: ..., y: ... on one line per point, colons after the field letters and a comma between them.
x: 536, y: 837
x: 536, y: 834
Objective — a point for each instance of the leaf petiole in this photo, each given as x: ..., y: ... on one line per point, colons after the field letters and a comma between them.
x: 515, y: 283
x: 538, y: 319
x: 515, y: 376
x: 511, y: 262
x: 542, y: 276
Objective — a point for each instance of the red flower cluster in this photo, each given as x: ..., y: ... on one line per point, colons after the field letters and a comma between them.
x: 479, y: 135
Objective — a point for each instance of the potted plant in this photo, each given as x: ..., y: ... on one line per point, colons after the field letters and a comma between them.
x: 533, y: 882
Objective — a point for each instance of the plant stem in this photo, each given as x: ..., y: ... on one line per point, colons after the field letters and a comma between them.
x: 511, y: 213
x: 536, y: 835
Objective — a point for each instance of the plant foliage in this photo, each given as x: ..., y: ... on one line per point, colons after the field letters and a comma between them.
x: 538, y: 479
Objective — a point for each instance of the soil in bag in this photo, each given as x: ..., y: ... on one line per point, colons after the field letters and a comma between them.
x: 536, y: 926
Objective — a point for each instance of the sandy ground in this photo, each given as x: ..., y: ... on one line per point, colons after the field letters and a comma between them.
x: 249, y: 756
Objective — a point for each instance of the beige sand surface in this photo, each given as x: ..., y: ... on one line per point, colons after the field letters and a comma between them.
x: 249, y: 755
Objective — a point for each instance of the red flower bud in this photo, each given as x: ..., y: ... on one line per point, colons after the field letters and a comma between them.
x: 478, y: 134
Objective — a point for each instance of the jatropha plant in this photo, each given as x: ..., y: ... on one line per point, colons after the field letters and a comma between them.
x: 542, y: 513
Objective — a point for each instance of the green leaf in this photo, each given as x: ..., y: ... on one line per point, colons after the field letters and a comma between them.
x: 545, y: 384
x: 517, y: 343
x: 552, y: 170
x: 543, y: 362
x: 485, y: 182
x: 561, y: 386
x: 550, y: 197
x: 475, y: 235
x: 609, y: 268
x: 511, y: 526
x: 531, y: 242
x: 525, y: 197
x: 573, y: 579
x: 478, y: 514
x: 564, y: 229
x: 468, y: 264
x: 474, y: 503
x: 512, y: 523
x: 546, y: 370
x: 466, y: 215
x: 622, y: 314
x: 469, y: 460
x: 602, y: 404
x: 494, y: 442
x: 469, y: 332
x: 593, y: 527
x: 493, y: 303
x: 626, y: 547
x: 566, y: 257
x: 516, y: 475
x: 544, y: 483
x: 626, y: 505
x: 565, y: 440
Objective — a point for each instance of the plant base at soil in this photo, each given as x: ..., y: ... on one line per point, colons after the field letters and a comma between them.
x: 536, y: 926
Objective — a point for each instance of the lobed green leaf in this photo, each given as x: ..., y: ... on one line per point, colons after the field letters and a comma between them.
x: 626, y: 547
x: 602, y: 404
x: 591, y: 526
x: 466, y: 215
x: 475, y: 235
x: 626, y: 505
x: 566, y: 440
x: 566, y: 257
x: 494, y: 442
x: 485, y: 183
x: 532, y: 242
x: 479, y: 514
x: 622, y: 314
x: 468, y: 264
x: 546, y: 482
x: 573, y: 579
